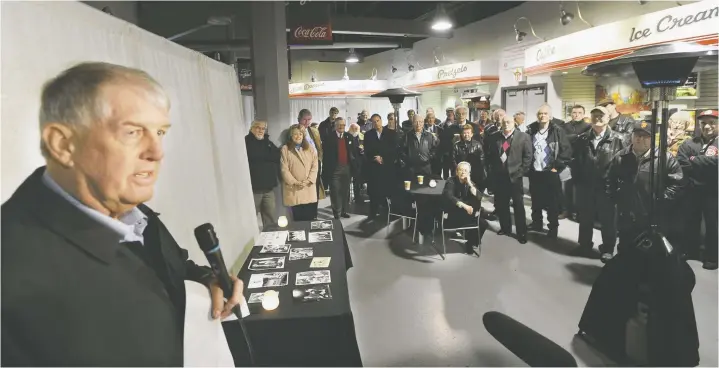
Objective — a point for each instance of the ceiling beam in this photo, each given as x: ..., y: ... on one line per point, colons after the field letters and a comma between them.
x: 384, y: 27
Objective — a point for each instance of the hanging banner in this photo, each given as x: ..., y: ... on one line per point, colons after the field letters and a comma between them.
x: 244, y: 74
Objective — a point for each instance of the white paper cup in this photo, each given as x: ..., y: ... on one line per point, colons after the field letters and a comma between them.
x: 407, y: 184
x: 420, y: 179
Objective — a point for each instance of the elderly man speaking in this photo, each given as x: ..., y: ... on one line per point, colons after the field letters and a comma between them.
x: 90, y: 275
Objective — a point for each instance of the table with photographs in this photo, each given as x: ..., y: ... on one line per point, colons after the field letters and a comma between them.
x: 312, y: 329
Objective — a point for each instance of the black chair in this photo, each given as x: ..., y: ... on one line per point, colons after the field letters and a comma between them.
x: 448, y: 225
x: 403, y: 211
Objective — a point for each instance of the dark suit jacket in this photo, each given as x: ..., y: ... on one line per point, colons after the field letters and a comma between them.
x: 520, y: 156
x: 73, y: 296
x: 381, y: 177
x: 331, y: 152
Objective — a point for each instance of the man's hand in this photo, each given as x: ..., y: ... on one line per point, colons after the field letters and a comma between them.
x: 378, y: 159
x: 469, y: 209
x: 220, y: 308
x: 554, y: 170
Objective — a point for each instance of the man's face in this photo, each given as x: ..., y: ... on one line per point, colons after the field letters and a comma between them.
x: 354, y: 129
x: 410, y: 114
x: 543, y: 115
x: 417, y: 123
x: 519, y: 119
x: 306, y: 120
x: 462, y: 172
x: 377, y: 122
x: 577, y: 114
x: 391, y: 120
x: 333, y: 115
x: 259, y: 131
x: 118, y: 160
x: 507, y: 124
x: 612, y: 108
x: 467, y: 134
x: 462, y: 115
x: 430, y: 114
x: 498, y: 115
x: 640, y: 142
x: 675, y: 129
x: 340, y: 126
x: 483, y: 115
x: 450, y: 115
x: 709, y: 127
x: 599, y: 120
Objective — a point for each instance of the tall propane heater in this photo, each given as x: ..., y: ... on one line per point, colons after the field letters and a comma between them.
x: 660, y: 70
x: 396, y: 97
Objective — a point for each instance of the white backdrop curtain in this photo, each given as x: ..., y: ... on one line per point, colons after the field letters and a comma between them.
x: 248, y: 111
x: 204, y: 176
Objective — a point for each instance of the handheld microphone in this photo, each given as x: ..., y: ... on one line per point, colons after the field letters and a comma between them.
x: 210, y: 245
x: 527, y: 344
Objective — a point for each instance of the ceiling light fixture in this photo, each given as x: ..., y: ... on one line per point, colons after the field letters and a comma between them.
x: 519, y: 35
x: 394, y: 69
x: 566, y: 17
x: 352, y: 57
x: 441, y: 21
x: 410, y: 67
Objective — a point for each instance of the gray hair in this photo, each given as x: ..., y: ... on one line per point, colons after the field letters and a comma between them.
x: 75, y: 98
x: 463, y: 108
x: 258, y: 123
x: 519, y: 113
x: 465, y: 165
x: 417, y: 117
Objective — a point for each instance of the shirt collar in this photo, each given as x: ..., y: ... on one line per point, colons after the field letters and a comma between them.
x: 129, y: 226
x: 507, y: 135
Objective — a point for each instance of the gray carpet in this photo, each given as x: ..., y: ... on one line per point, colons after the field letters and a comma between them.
x: 413, y: 309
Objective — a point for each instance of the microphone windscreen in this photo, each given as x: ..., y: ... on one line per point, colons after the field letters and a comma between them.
x: 527, y: 344
x: 206, y: 237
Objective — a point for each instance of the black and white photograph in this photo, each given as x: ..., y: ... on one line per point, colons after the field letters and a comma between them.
x: 298, y: 235
x: 276, y: 249
x: 320, y: 262
x: 269, y: 263
x: 313, y: 277
x: 321, y: 225
x: 315, y: 293
x: 271, y: 238
x: 271, y: 279
x: 255, y: 298
x: 301, y: 253
x: 321, y: 236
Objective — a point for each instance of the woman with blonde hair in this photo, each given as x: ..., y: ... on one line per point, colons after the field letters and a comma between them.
x: 299, y: 166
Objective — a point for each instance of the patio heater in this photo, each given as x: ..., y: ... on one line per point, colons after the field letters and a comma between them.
x: 660, y: 70
x: 396, y: 97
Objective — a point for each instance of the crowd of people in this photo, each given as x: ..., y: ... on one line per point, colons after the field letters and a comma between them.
x: 593, y: 169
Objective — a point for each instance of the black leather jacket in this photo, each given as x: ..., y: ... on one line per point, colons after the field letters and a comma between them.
x: 446, y: 138
x: 624, y: 126
x: 627, y: 184
x: 472, y: 152
x: 589, y: 165
x: 420, y: 152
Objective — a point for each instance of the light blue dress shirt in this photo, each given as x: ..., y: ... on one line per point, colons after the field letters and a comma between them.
x: 129, y: 226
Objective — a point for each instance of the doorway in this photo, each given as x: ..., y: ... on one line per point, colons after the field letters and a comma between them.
x: 526, y: 98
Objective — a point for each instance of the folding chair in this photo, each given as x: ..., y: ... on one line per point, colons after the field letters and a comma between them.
x: 464, y: 228
x: 407, y: 214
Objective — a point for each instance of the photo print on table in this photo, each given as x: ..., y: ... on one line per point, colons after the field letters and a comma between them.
x: 295, y: 236
x: 272, y: 238
x: 313, y: 277
x: 270, y: 263
x: 300, y: 253
x: 321, y: 225
x: 320, y: 262
x: 265, y: 280
x: 255, y: 298
x: 276, y: 249
x: 316, y: 292
x: 321, y: 236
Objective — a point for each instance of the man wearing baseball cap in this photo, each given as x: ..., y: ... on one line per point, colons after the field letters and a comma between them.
x: 593, y: 152
x: 698, y: 158
x: 627, y: 184
x: 621, y: 123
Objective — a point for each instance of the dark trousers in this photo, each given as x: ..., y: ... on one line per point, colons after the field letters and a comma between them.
x: 568, y: 188
x: 437, y: 165
x: 506, y: 190
x: 447, y: 169
x: 340, y: 194
x: 545, y: 188
x: 304, y: 212
x: 700, y: 203
x: 357, y: 187
x: 591, y: 199
x: 458, y: 218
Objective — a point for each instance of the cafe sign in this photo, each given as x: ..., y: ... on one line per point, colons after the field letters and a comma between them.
x: 696, y: 22
x: 479, y: 71
x: 337, y: 88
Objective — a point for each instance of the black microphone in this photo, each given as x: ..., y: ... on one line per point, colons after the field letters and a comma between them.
x: 527, y: 344
x: 210, y: 245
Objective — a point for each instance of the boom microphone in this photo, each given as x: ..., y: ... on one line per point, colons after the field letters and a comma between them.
x: 527, y: 344
x: 210, y: 245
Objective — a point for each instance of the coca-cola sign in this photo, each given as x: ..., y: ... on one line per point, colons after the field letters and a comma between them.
x: 311, y: 34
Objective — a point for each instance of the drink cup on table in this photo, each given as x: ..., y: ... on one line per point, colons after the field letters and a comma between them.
x: 407, y: 184
x: 420, y: 179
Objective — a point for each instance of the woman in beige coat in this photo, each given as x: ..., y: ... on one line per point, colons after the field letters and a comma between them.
x: 298, y: 164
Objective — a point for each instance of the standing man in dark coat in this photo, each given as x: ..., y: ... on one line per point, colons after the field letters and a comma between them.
x: 327, y: 126
x: 698, y: 157
x: 471, y: 151
x: 449, y: 133
x: 90, y: 275
x: 433, y: 125
x: 340, y: 162
x: 573, y: 129
x: 380, y: 147
x: 418, y: 149
x: 593, y: 152
x: 552, y: 154
x: 509, y: 158
x: 620, y: 123
x: 264, y: 160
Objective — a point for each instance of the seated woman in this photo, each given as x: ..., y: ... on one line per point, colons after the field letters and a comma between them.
x: 298, y: 165
x: 462, y: 201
